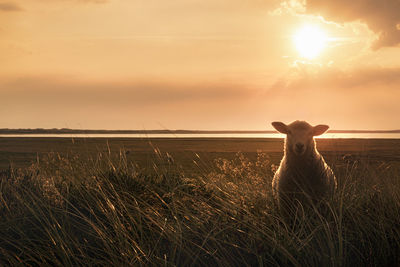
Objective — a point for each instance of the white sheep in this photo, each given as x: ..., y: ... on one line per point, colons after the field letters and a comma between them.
x: 303, y: 175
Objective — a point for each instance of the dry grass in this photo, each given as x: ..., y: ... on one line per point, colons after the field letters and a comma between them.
x: 69, y: 210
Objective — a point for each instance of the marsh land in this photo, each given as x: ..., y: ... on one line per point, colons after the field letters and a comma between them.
x: 20, y: 152
x: 191, y: 201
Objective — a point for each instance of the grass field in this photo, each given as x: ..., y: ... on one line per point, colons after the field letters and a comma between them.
x: 191, y: 202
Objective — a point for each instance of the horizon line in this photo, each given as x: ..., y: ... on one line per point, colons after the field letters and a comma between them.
x: 182, y: 131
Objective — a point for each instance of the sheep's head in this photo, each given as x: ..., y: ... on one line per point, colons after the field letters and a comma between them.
x: 299, y: 135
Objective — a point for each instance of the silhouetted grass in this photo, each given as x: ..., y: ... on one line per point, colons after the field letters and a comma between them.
x: 107, y: 211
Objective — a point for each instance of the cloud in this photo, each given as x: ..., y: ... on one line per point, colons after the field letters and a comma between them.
x: 94, y: 1
x: 80, y: 92
x: 364, y: 98
x: 54, y: 101
x: 304, y: 77
x: 9, y: 7
x: 382, y: 17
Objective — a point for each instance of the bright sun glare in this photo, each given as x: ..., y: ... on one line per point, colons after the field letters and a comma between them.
x: 310, y: 41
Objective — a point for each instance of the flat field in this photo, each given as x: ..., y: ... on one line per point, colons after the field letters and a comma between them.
x: 191, y: 202
x: 20, y: 152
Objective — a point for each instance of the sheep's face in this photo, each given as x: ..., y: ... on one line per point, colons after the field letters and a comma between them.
x: 299, y: 135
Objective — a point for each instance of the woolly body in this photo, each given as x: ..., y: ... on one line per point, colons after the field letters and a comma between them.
x: 303, y: 174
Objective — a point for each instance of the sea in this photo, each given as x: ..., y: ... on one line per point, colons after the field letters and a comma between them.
x: 208, y: 135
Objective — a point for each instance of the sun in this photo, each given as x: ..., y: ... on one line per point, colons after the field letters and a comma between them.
x: 310, y: 41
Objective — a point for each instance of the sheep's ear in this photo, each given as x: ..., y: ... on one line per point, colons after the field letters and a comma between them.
x: 280, y: 127
x: 320, y: 129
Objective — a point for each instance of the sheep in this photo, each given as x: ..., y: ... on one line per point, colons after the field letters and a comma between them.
x: 303, y: 175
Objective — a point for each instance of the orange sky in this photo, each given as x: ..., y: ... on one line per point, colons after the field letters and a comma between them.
x: 191, y: 64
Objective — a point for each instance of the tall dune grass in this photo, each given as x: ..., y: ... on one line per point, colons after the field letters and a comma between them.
x: 108, y: 211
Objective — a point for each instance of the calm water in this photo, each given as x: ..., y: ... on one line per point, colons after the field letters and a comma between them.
x: 231, y: 135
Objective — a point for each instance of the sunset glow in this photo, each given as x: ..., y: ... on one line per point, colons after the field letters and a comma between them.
x: 310, y: 41
x: 208, y: 65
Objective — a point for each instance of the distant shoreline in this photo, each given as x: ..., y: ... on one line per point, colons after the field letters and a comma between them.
x: 77, y: 131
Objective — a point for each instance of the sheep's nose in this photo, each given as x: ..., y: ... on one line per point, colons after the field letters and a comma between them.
x: 299, y: 146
